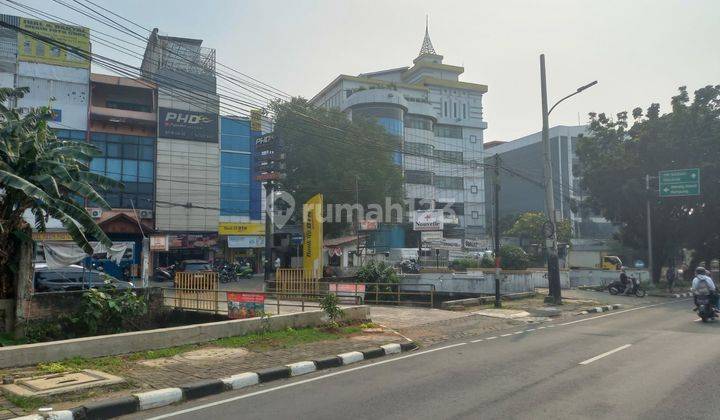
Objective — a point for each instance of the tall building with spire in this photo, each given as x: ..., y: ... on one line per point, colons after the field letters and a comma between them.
x: 440, y: 121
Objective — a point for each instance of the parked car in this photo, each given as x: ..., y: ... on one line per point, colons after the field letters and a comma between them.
x: 73, y: 277
x: 194, y: 266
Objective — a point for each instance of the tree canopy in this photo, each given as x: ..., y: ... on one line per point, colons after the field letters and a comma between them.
x: 326, y: 152
x: 44, y: 175
x: 618, y: 153
x: 530, y: 226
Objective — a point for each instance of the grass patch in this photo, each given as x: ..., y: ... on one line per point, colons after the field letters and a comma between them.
x: 286, y: 338
x: 7, y: 339
x: 26, y: 403
x: 260, y: 341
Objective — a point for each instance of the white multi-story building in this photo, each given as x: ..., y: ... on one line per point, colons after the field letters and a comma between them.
x: 440, y: 120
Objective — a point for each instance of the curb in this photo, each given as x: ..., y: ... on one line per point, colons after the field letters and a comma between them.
x: 682, y: 295
x: 162, y: 397
x: 598, y: 309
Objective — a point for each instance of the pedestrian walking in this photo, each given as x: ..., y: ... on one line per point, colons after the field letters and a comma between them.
x: 671, y: 275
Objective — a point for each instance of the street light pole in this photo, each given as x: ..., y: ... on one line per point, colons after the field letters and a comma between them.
x: 551, y: 240
x: 649, y: 228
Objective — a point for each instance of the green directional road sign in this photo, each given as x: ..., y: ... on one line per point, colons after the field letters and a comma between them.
x: 679, y: 182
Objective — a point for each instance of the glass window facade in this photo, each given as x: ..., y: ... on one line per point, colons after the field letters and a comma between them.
x: 419, y: 123
x: 237, y: 188
x: 449, y: 182
x: 448, y: 131
x: 448, y: 156
x: 131, y: 160
x: 418, y: 177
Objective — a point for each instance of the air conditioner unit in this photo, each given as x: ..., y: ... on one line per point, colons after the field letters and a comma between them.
x: 145, y: 214
x: 96, y: 213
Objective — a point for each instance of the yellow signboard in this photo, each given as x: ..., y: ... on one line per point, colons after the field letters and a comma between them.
x: 239, y: 228
x: 51, y: 236
x: 313, y: 232
x: 256, y: 119
x: 67, y: 36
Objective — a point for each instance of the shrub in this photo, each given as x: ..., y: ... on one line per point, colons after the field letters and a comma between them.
x: 108, y: 311
x: 513, y: 258
x: 377, y: 272
x: 487, y: 262
x: 329, y: 304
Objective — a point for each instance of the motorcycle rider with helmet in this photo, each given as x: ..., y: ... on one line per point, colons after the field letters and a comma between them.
x: 702, y: 279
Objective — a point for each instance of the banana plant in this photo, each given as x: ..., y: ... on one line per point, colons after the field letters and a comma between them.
x: 46, y: 176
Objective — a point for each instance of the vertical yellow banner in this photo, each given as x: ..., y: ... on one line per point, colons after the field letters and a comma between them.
x: 313, y: 241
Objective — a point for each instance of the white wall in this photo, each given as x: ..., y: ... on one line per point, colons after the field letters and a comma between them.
x: 66, y: 87
x: 187, y: 171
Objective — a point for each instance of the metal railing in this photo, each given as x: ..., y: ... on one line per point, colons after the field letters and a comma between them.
x: 216, y: 301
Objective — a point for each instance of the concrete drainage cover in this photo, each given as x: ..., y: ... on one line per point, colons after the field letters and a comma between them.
x: 59, y: 383
x: 503, y: 313
x: 201, y: 355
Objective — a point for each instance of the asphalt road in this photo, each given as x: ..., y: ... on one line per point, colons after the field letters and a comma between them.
x: 652, y: 363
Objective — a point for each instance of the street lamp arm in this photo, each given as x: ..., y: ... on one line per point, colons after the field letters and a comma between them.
x: 580, y: 89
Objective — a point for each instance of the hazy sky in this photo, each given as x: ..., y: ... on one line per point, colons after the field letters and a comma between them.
x: 640, y: 51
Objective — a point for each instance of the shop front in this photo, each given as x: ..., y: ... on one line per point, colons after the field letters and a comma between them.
x: 169, y: 249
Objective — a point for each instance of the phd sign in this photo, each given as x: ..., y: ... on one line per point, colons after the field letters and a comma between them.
x: 188, y: 125
x: 679, y: 183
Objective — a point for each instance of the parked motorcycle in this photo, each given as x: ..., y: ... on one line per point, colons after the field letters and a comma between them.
x: 704, y: 307
x: 164, y: 273
x: 409, y: 266
x: 243, y: 271
x: 618, y: 288
x: 226, y: 273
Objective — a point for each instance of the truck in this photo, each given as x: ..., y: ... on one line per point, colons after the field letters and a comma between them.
x: 593, y: 259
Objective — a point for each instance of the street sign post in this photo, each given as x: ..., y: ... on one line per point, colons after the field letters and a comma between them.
x: 679, y: 183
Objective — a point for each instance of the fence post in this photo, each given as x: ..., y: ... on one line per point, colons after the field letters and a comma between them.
x: 398, y: 293
x: 432, y: 296
x: 277, y: 300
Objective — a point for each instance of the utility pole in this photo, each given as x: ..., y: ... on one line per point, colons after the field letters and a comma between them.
x: 551, y: 235
x: 649, y: 228
x: 268, y: 228
x: 357, y: 225
x: 551, y: 241
x: 496, y: 228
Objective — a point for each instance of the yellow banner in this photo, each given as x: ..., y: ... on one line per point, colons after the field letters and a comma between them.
x: 51, y: 236
x: 256, y: 119
x: 313, y: 232
x: 238, y: 228
x: 67, y: 36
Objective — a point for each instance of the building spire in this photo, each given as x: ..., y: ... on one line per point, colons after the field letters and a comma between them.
x: 427, y: 47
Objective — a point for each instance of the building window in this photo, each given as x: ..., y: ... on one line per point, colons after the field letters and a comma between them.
x: 447, y: 156
x: 473, y: 189
x: 418, y: 177
x: 418, y: 149
x: 473, y: 139
x: 449, y: 131
x: 130, y: 159
x: 418, y: 123
x: 444, y: 109
x: 464, y: 111
x: 454, y: 109
x: 449, y: 182
x: 475, y: 214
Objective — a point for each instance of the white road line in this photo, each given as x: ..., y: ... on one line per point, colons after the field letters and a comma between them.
x: 541, y: 328
x: 530, y: 330
x: 292, y: 384
x: 621, y: 312
x: 477, y: 341
x: 607, y: 353
x: 518, y: 332
x: 491, y: 338
x: 505, y: 335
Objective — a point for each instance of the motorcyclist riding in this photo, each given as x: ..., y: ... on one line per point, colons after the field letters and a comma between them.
x: 701, y: 280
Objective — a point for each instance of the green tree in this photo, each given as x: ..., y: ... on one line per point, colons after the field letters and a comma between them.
x: 326, y: 152
x: 530, y: 226
x: 44, y: 175
x: 617, y: 155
